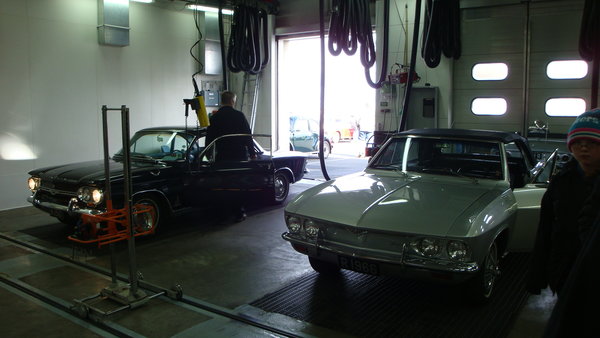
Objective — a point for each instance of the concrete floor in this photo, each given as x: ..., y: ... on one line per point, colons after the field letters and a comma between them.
x: 222, y: 266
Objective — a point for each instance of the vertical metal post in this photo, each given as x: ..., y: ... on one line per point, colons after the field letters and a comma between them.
x: 128, y: 205
x: 107, y: 192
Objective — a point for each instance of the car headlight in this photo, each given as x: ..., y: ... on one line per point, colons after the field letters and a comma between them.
x: 294, y: 225
x: 311, y: 229
x: 457, y: 250
x: 428, y: 247
x: 34, y: 183
x: 90, y: 195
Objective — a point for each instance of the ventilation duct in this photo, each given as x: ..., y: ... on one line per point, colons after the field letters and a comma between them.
x: 113, y: 22
x: 210, y: 45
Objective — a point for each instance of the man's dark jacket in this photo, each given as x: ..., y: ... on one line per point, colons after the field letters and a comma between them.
x: 558, y: 238
x: 225, y: 121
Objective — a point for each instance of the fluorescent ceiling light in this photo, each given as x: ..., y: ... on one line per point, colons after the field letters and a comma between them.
x: 144, y: 1
x: 209, y: 9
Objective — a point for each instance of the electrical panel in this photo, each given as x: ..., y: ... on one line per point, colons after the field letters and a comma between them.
x: 211, y: 98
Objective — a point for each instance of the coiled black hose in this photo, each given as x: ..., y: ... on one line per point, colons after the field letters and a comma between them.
x: 245, y: 52
x: 350, y: 26
x: 441, y: 32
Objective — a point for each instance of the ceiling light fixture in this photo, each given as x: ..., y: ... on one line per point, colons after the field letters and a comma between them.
x: 209, y: 9
x: 144, y: 1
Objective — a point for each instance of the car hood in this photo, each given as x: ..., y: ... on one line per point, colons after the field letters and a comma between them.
x: 428, y: 205
x: 90, y: 171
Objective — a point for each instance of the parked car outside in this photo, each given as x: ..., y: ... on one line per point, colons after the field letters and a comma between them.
x: 172, y: 170
x: 304, y: 136
x: 341, y: 130
x: 436, y: 204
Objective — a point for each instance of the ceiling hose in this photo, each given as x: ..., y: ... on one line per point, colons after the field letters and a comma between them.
x: 441, y: 31
x: 222, y: 46
x: 322, y: 102
x: 589, y: 47
x: 245, y: 52
x: 350, y: 26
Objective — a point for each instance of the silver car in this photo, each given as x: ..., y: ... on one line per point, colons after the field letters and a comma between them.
x: 438, y: 204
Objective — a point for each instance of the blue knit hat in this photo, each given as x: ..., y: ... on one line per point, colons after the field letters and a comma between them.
x: 586, y: 126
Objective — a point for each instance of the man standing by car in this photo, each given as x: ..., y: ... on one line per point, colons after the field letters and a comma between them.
x: 226, y: 121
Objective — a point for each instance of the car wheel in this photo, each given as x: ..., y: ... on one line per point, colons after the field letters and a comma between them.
x: 336, y: 137
x: 326, y: 149
x: 148, y: 221
x: 323, y: 267
x: 281, y: 187
x: 481, y: 287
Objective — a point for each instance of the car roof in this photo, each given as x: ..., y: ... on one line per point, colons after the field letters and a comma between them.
x: 488, y: 135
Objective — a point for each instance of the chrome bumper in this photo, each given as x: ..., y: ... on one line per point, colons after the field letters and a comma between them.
x: 401, y: 259
x: 72, y: 208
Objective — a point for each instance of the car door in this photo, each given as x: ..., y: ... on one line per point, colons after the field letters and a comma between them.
x: 209, y: 180
x: 529, y: 197
x: 301, y: 136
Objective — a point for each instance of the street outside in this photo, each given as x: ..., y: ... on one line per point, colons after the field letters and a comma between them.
x: 346, y: 157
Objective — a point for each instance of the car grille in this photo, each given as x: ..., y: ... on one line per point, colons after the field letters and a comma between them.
x: 378, y: 243
x: 54, y: 196
x: 60, y: 187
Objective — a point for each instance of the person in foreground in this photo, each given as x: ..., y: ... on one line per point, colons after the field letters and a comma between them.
x: 568, y: 237
x: 226, y: 121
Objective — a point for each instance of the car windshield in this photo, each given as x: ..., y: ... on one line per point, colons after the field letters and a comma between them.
x: 443, y: 156
x: 162, y: 146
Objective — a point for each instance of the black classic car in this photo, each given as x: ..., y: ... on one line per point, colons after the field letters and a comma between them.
x: 172, y: 169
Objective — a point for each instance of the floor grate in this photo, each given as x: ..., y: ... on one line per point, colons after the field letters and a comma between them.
x: 370, y: 306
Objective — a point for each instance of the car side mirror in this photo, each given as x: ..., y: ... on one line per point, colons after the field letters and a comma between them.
x: 543, y: 170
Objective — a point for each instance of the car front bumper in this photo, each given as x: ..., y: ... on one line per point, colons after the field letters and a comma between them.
x: 73, y: 208
x: 398, y: 263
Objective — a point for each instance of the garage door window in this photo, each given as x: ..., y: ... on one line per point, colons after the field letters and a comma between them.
x: 494, y: 106
x: 569, y: 107
x: 567, y: 69
x: 489, y: 71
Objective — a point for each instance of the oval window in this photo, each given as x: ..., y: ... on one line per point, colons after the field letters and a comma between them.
x: 489, y: 106
x: 489, y: 71
x: 565, y: 106
x: 567, y: 69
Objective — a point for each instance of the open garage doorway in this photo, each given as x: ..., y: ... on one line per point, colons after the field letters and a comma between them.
x: 349, y: 104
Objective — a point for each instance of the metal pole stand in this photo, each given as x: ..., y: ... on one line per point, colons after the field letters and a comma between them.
x: 129, y: 296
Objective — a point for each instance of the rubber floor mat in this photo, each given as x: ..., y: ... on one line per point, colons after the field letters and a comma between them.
x: 372, y: 306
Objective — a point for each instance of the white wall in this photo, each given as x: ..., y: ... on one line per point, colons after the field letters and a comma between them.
x: 400, y: 46
x: 55, y: 77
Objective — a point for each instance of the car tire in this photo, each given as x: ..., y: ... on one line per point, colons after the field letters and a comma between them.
x: 158, y: 213
x: 326, y: 149
x: 322, y: 267
x: 281, y: 187
x: 481, y: 287
x: 336, y: 137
